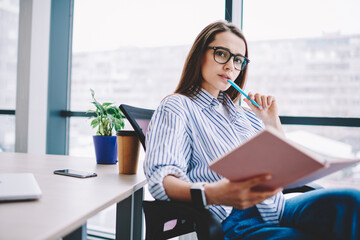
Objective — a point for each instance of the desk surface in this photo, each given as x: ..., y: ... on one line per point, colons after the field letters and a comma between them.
x: 66, y: 202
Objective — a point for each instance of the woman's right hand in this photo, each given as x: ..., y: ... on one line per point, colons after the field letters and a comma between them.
x: 238, y: 194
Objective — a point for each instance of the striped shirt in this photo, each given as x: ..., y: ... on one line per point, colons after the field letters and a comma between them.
x: 186, y: 134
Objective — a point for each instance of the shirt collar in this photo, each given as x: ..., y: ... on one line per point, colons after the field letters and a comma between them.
x: 205, y: 100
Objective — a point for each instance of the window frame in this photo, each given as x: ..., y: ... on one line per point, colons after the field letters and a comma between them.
x: 58, y: 113
x: 234, y: 11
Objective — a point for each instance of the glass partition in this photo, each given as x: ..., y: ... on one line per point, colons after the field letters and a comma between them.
x: 7, y: 133
x: 307, y: 54
x: 129, y: 52
x: 9, y: 26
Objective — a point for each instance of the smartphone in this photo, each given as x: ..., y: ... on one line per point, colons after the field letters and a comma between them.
x: 74, y: 173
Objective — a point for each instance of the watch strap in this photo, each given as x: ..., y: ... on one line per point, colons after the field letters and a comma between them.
x: 198, y: 197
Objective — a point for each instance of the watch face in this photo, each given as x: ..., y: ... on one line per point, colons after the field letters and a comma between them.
x: 198, y: 197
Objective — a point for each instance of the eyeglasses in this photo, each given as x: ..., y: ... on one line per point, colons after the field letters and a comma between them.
x: 223, y: 55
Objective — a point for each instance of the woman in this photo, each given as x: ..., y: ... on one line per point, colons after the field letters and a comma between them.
x: 200, y: 122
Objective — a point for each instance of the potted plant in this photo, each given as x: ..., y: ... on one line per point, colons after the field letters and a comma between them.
x: 106, y: 117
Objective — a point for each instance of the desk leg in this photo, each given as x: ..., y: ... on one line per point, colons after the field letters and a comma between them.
x: 138, y: 215
x: 130, y: 209
x: 77, y: 234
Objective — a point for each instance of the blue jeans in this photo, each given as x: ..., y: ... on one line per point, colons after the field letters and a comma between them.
x: 318, y: 214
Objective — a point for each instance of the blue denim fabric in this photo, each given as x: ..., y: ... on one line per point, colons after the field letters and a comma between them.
x: 319, y: 214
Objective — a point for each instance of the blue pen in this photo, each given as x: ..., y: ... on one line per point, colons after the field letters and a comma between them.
x: 242, y: 92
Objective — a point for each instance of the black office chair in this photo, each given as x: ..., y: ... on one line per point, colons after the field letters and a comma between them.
x: 139, y: 119
x: 168, y: 219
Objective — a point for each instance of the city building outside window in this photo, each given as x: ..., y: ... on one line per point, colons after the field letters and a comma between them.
x: 307, y: 54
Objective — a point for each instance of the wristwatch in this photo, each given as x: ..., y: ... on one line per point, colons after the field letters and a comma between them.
x: 197, y: 192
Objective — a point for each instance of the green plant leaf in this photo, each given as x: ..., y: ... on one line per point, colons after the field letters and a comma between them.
x: 99, y: 108
x: 106, y: 104
x: 117, y: 125
x: 92, y: 93
x: 110, y: 111
x: 108, y: 117
x: 94, y: 123
x: 101, y: 129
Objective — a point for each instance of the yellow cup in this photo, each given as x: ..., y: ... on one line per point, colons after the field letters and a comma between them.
x: 128, y: 151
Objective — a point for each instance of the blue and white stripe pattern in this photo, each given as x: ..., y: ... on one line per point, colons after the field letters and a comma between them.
x: 186, y: 134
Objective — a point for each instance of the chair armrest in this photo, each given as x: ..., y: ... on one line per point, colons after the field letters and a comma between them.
x: 304, y: 188
x: 188, y: 219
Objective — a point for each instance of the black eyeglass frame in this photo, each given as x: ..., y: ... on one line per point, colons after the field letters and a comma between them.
x: 243, y: 65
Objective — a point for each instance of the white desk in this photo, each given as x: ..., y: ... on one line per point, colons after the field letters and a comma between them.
x: 68, y: 202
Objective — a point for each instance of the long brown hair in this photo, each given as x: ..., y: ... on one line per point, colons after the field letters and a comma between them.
x: 191, y: 78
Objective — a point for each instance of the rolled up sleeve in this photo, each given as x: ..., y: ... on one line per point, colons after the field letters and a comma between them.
x: 167, y: 150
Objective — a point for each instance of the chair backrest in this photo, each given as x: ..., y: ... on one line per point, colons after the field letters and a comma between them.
x: 179, y: 217
x: 139, y: 119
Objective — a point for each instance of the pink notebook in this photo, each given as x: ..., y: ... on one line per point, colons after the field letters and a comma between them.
x: 289, y: 164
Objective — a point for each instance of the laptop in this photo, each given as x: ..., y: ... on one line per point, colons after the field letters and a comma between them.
x: 18, y: 187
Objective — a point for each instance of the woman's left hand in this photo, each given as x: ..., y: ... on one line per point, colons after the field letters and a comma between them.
x: 268, y: 111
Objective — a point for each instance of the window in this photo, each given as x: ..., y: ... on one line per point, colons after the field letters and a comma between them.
x: 9, y: 21
x: 307, y: 54
x: 129, y: 52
